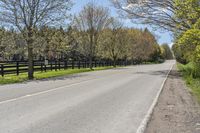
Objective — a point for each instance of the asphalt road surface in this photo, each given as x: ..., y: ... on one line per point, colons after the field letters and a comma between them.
x: 109, y: 101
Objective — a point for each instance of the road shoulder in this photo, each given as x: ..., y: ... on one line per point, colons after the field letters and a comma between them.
x: 176, y: 111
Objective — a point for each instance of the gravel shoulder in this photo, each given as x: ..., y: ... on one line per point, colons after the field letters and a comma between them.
x: 177, y: 110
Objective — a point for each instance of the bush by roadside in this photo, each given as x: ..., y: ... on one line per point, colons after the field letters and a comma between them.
x: 191, y: 74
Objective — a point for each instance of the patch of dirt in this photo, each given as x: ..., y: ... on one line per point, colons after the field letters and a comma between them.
x: 176, y: 111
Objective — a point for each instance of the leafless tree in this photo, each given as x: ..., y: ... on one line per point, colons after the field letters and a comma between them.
x: 90, y: 22
x: 26, y: 15
x: 159, y: 13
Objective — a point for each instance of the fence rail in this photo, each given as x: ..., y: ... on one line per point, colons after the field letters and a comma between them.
x: 17, y: 67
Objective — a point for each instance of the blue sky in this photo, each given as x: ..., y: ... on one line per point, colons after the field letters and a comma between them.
x: 163, y: 37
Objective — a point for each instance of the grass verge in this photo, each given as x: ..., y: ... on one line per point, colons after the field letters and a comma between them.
x: 9, y: 79
x: 193, y: 83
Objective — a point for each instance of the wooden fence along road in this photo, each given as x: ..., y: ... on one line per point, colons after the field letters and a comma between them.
x: 17, y: 67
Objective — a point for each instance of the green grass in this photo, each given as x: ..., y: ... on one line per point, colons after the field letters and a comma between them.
x: 9, y: 79
x: 193, y: 83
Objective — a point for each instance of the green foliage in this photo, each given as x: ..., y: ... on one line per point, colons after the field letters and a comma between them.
x: 48, y: 42
x: 178, y: 53
x: 197, y: 24
x: 157, y: 55
x: 188, y: 11
x: 167, y: 53
x: 189, y: 44
x: 52, y: 43
x: 192, y: 81
x: 8, y: 79
x: 115, y: 45
x: 191, y: 69
x: 142, y: 45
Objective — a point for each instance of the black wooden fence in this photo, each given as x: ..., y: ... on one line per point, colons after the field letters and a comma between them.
x: 17, y: 67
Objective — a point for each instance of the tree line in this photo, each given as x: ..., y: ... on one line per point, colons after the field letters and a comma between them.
x: 181, y: 17
x: 54, y: 44
x: 92, y: 34
x: 187, y: 42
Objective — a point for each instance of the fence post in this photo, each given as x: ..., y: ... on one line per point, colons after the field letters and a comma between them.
x: 79, y: 64
x: 59, y: 64
x: 66, y: 63
x: 72, y: 64
x: 51, y: 66
x: 33, y: 66
x: 85, y: 64
x: 17, y: 68
x: 41, y: 67
x: 95, y: 63
x: 45, y: 68
x: 55, y: 65
x: 2, y: 70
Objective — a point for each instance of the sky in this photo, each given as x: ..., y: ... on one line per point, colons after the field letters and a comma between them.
x: 162, y: 36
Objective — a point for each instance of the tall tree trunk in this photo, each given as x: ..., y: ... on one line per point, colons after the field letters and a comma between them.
x: 30, y: 54
x: 114, y: 62
x: 91, y: 50
x: 132, y: 61
x: 90, y: 62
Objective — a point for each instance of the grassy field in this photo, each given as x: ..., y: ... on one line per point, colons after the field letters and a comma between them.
x: 9, y: 79
x: 193, y: 83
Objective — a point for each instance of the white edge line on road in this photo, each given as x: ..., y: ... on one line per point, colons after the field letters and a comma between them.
x: 144, y: 123
x: 43, y: 92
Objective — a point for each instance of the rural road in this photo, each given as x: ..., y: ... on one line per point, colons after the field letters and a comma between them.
x: 109, y: 101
